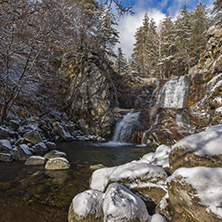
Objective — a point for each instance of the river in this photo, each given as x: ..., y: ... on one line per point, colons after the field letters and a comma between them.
x: 32, y: 194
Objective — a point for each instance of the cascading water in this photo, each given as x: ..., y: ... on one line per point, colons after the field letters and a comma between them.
x: 174, y: 93
x: 124, y: 129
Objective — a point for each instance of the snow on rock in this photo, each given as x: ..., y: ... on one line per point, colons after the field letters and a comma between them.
x: 58, y: 163
x: 86, y: 205
x: 202, y: 149
x: 204, y: 143
x: 161, y: 156
x: 120, y: 204
x: 35, y: 160
x: 40, y: 148
x: 158, y: 218
x: 62, y: 132
x: 218, y: 110
x: 133, y: 172
x: 23, y: 152
x: 4, y: 133
x: 199, y: 191
x: 54, y: 154
x: 6, y: 157
x: 5, y: 145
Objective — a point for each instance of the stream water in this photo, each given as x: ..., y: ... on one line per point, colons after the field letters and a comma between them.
x: 32, y: 194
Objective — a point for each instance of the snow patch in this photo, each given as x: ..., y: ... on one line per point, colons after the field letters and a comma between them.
x: 204, y: 143
x: 120, y: 204
x: 208, y: 184
x: 88, y: 202
x: 134, y: 170
x: 6, y: 144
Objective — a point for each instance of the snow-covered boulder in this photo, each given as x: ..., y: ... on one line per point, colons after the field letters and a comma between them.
x: 196, y: 193
x: 58, y: 163
x: 133, y: 173
x: 35, y: 160
x: 54, y: 154
x: 23, y: 152
x: 142, y: 177
x: 86, y: 207
x: 39, y: 148
x: 32, y: 137
x: 5, y: 146
x: 202, y: 149
x: 62, y: 132
x: 6, y: 157
x: 121, y: 205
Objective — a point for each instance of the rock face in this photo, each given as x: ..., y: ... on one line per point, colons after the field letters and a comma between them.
x: 62, y: 132
x: 58, y: 163
x: 195, y: 193
x: 93, y: 101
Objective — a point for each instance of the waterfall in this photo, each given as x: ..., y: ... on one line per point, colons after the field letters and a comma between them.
x: 125, y: 128
x: 173, y: 93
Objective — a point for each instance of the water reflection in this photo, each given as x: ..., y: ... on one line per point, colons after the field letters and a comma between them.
x: 31, y: 193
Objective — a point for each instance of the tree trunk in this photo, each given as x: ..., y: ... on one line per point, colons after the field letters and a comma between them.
x: 4, y: 113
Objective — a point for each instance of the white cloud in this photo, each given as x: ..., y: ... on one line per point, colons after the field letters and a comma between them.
x: 129, y: 23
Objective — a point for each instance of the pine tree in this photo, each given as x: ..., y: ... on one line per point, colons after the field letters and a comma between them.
x: 145, y: 49
x: 166, y: 47
x: 217, y: 10
x: 199, y: 24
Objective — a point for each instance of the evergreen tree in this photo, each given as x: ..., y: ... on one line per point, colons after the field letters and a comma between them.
x: 217, y: 10
x: 199, y: 24
x: 166, y: 47
x: 145, y: 49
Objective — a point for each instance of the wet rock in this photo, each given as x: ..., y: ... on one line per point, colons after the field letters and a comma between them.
x: 54, y: 154
x: 4, y: 133
x: 96, y: 167
x: 32, y: 137
x: 39, y: 148
x: 50, y: 145
x: 20, y: 141
x: 58, y: 163
x: 86, y: 207
x: 14, y: 124
x: 62, y: 132
x: 6, y: 157
x: 23, y: 152
x: 120, y: 204
x: 35, y: 160
x: 5, y: 146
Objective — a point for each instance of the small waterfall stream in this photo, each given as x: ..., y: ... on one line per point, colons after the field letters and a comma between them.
x: 173, y: 93
x: 124, y: 128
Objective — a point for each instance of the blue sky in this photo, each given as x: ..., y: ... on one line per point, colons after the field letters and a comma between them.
x: 156, y: 9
